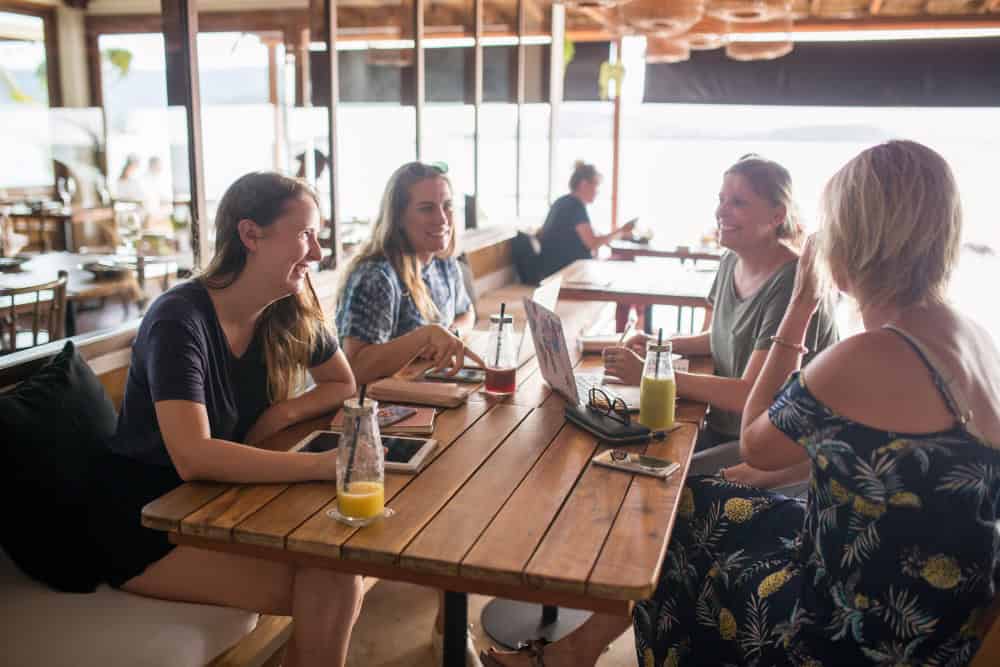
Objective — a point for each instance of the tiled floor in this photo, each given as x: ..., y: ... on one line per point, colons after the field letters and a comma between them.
x: 395, y: 630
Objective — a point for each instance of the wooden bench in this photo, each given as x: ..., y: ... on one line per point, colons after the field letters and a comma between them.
x: 109, y: 626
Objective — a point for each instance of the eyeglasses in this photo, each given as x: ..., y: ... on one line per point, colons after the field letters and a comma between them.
x: 615, y: 408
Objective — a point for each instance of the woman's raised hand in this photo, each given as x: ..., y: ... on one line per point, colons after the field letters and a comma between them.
x: 446, y: 350
x: 806, y: 290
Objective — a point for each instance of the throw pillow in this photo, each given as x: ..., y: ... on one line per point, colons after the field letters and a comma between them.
x: 54, y: 425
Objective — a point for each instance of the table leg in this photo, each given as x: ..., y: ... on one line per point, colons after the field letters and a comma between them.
x: 621, y: 316
x: 456, y: 624
x: 509, y: 622
x: 70, y: 318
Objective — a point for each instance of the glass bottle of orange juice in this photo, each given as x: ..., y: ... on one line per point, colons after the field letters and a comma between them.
x: 658, y: 389
x: 360, y: 465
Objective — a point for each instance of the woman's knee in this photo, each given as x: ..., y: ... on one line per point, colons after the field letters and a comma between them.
x: 336, y: 586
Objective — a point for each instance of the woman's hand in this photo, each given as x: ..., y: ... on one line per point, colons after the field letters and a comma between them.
x: 447, y: 351
x: 806, y: 290
x: 623, y: 364
x: 637, y: 343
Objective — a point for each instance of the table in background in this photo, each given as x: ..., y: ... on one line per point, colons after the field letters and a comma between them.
x: 669, y: 283
x: 510, y: 506
x: 629, y: 250
x: 83, y: 285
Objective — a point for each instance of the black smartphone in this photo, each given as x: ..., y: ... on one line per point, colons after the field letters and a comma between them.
x: 467, y: 375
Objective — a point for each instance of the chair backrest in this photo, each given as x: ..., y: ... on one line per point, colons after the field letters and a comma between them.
x: 44, y: 304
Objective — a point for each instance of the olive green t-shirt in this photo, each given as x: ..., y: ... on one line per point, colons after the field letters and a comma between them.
x: 740, y: 326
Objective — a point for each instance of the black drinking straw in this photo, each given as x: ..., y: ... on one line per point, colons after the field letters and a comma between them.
x: 659, y: 344
x: 354, y: 442
x: 503, y: 308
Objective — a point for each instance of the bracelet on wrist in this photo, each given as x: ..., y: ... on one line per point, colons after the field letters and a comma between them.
x: 798, y: 347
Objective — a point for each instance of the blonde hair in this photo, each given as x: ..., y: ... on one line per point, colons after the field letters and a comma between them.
x: 291, y: 326
x: 582, y: 172
x: 772, y: 182
x: 892, y: 222
x: 389, y: 241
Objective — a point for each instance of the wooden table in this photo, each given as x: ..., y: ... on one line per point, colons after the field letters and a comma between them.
x: 627, y: 284
x: 82, y: 284
x: 510, y: 506
x: 629, y: 250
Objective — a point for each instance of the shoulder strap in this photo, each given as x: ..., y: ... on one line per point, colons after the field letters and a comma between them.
x: 956, y: 403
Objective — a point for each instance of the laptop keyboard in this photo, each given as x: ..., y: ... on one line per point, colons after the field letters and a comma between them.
x: 584, y: 383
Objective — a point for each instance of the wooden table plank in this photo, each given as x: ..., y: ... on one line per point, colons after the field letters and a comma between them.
x: 322, y: 535
x: 166, y: 512
x: 417, y: 504
x: 629, y: 563
x: 507, y: 545
x: 568, y: 552
x: 218, y: 517
x: 448, y: 537
x: 270, y: 525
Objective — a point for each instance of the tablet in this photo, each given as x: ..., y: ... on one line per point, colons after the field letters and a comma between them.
x: 403, y: 454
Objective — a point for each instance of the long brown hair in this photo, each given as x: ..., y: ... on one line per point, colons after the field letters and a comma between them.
x: 389, y: 241
x: 290, y: 326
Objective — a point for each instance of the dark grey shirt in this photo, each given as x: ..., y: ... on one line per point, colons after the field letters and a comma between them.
x: 740, y: 326
x: 181, y: 353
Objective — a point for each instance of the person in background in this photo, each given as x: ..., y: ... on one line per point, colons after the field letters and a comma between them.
x: 893, y: 556
x: 218, y: 365
x: 129, y: 185
x: 403, y: 295
x: 320, y: 163
x: 567, y: 234
x: 758, y: 223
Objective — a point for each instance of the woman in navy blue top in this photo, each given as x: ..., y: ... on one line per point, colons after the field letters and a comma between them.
x: 567, y: 234
x: 403, y: 294
x: 218, y: 365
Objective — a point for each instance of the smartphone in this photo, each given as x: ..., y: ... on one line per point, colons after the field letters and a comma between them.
x: 467, y: 375
x: 638, y: 464
x: 403, y: 454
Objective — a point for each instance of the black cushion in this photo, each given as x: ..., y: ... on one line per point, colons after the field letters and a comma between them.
x: 54, y: 425
x: 526, y: 252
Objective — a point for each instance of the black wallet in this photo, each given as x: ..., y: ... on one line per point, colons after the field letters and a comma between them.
x: 606, y: 428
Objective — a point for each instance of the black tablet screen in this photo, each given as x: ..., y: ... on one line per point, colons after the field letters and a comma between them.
x: 400, y: 450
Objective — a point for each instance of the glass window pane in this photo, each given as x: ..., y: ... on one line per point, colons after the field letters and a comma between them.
x: 23, y: 73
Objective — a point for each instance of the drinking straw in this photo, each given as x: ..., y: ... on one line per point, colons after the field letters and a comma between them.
x: 354, y: 442
x: 659, y: 343
x: 503, y: 308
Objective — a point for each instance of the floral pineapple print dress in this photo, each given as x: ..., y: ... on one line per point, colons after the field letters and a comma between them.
x: 891, y: 560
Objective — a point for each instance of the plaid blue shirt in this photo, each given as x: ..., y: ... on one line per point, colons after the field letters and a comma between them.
x: 376, y: 307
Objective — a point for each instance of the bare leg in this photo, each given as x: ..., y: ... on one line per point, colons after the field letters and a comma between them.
x: 323, y: 603
x: 583, y: 646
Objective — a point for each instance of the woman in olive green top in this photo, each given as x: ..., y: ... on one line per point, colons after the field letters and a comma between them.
x: 757, y: 222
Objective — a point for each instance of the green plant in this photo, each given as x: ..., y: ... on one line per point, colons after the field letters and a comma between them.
x: 120, y: 59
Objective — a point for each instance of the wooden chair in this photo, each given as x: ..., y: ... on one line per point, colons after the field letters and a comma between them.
x: 44, y: 304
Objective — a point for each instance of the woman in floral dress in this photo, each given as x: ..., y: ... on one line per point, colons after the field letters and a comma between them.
x: 893, y: 557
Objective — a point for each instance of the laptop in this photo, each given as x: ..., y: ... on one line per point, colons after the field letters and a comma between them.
x: 547, y: 295
x: 557, y: 369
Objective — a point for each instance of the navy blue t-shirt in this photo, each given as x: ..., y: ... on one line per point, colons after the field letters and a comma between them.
x: 181, y: 353
x: 561, y: 245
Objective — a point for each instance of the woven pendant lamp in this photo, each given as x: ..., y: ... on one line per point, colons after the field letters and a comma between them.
x: 953, y: 7
x: 902, y: 7
x: 748, y: 11
x: 664, y: 18
x: 707, y: 34
x: 666, y: 50
x: 842, y: 9
x: 748, y: 51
